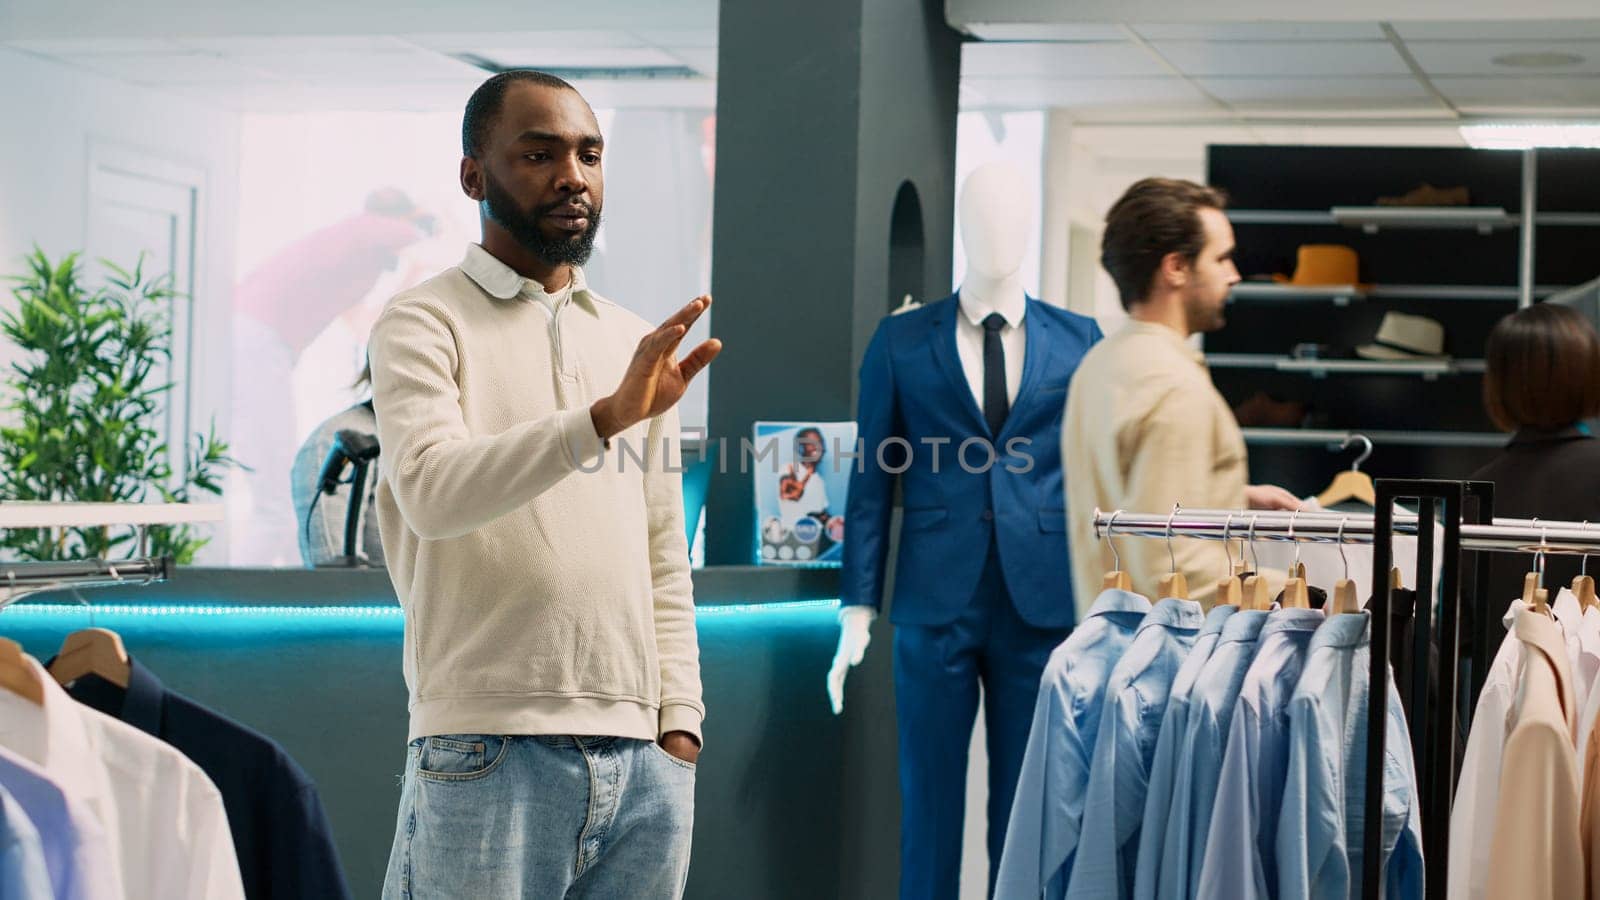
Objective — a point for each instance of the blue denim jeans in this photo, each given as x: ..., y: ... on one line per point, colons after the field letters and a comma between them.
x: 541, y: 818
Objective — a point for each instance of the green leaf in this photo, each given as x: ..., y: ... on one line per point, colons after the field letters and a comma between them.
x: 82, y: 411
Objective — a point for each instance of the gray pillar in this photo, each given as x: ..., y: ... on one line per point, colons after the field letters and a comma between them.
x: 835, y: 197
x: 836, y: 141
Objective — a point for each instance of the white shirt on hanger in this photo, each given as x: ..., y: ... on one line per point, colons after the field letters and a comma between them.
x: 1013, y: 337
x: 165, y: 820
x: 1472, y: 818
x: 1587, y: 675
x: 1579, y: 629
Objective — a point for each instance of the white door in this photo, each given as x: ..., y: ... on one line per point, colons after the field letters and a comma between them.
x: 142, y: 204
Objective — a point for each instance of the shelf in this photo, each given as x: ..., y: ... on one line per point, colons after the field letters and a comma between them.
x: 1339, y: 294
x: 1343, y: 294
x: 1372, y: 218
x: 1483, y: 219
x: 1578, y: 219
x: 1280, y: 217
x: 85, y: 515
x: 1309, y: 436
x: 1317, y: 368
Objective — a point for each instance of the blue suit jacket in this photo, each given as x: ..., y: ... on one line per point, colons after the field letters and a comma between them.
x: 913, y: 389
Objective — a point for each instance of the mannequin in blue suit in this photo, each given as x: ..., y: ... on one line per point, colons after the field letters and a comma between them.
x: 983, y: 588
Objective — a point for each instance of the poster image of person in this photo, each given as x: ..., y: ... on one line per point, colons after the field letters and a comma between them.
x: 800, y: 491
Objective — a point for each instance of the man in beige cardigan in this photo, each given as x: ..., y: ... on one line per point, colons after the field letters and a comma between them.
x: 1145, y: 428
x: 550, y: 645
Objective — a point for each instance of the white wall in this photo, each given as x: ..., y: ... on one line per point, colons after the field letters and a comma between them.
x: 51, y: 115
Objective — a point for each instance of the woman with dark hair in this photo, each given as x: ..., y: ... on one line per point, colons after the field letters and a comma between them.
x: 1542, y: 382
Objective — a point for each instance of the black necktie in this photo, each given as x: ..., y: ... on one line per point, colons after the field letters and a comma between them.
x: 995, y: 404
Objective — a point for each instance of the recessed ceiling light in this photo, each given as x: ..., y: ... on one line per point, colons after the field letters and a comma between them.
x: 1527, y: 135
x: 1539, y: 60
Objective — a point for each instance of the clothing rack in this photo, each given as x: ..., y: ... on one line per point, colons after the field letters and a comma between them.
x: 1468, y: 524
x: 19, y: 579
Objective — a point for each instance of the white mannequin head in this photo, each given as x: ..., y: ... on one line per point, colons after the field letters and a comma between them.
x: 995, y: 217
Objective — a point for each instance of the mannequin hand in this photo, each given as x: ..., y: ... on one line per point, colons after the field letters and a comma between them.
x: 655, y: 379
x: 855, y: 623
x: 1270, y: 496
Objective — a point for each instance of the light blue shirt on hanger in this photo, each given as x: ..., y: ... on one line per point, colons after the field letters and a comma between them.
x: 1169, y: 744
x: 1046, y: 817
x: 1176, y: 871
x: 1320, y: 835
x: 22, y: 871
x: 1119, y: 774
x: 1240, y: 860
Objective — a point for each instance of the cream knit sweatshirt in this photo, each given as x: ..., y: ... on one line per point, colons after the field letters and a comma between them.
x: 544, y: 576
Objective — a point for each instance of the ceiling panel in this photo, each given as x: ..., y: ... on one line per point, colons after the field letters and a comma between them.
x: 698, y: 93
x: 1264, y: 31
x: 99, y: 45
x: 1009, y: 93
x: 168, y: 68
x: 1305, y: 58
x: 1549, y: 29
x: 552, y: 57
x: 362, y: 67
x: 1053, y: 60
x: 1050, y: 32
x: 703, y: 61
x: 1530, y: 92
x: 1245, y: 90
x: 263, y: 97
x: 323, y: 43
x: 569, y: 41
x: 1477, y: 57
x: 686, y: 38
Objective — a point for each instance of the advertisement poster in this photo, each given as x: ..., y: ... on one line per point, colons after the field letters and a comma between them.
x: 800, y: 481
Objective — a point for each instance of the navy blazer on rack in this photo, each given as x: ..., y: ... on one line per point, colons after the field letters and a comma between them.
x: 913, y: 388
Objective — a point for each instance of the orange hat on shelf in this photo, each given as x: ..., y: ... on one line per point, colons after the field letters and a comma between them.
x: 1322, y: 265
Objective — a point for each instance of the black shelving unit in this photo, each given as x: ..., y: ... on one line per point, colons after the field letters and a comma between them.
x: 1463, y: 267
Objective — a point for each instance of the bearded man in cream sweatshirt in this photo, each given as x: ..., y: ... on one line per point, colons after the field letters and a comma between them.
x: 531, y: 513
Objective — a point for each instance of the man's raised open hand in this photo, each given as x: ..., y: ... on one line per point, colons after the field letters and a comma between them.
x: 656, y: 379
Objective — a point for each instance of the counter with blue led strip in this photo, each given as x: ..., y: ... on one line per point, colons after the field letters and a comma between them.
x: 791, y: 801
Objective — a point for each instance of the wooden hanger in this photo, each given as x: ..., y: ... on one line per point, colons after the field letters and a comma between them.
x: 1173, y: 584
x: 1535, y: 597
x: 1533, y: 591
x: 17, y: 674
x: 1295, y: 593
x: 1583, y: 589
x: 1116, y: 579
x: 1257, y: 594
x: 1229, y: 591
x: 92, y: 651
x: 1583, y: 585
x: 1352, y: 483
x: 1344, y: 598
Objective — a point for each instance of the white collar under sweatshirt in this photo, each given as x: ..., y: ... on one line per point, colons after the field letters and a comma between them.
x: 544, y: 578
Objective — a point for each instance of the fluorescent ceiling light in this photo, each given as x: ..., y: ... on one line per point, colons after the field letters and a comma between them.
x: 1526, y: 135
